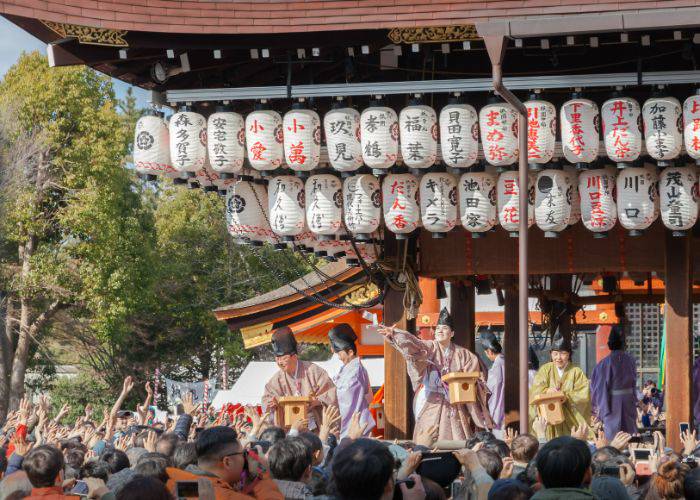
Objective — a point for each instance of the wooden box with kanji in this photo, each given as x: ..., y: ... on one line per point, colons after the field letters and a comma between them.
x: 379, y: 412
x: 461, y: 386
x: 293, y: 409
x: 549, y: 405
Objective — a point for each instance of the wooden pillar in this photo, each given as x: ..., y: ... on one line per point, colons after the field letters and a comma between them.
x: 431, y: 303
x: 463, y: 316
x: 510, y: 352
x: 678, y: 314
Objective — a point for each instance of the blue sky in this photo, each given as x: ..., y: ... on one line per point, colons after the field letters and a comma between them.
x: 14, y: 41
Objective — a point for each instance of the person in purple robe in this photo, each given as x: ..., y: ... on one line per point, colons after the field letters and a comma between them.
x: 496, y: 378
x: 613, y: 383
x: 351, y: 382
x: 696, y: 392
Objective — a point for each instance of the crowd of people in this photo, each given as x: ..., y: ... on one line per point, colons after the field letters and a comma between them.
x: 458, y: 450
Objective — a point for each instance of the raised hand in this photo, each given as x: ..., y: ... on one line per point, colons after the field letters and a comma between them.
x: 301, y: 425
x: 600, y: 440
x: 150, y: 441
x: 128, y: 385
x: 621, y: 440
x: 580, y: 432
x: 409, y: 465
x: 356, y: 429
x: 507, y: 470
x: 62, y: 413
x: 330, y: 418
x: 428, y: 436
x: 21, y: 445
x: 188, y: 404
x: 386, y: 331
x: 25, y: 409
x: 689, y: 441
x: 510, y: 436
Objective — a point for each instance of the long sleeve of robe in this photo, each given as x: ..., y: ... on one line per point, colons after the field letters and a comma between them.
x: 427, y: 362
x: 574, y: 385
x: 495, y: 383
x: 613, y: 397
x: 314, y: 382
x: 696, y: 391
x: 352, y: 383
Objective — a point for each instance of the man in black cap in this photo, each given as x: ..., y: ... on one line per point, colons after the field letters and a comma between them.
x: 613, y: 388
x: 352, y: 381
x: 428, y: 361
x: 297, y: 378
x: 496, y: 377
x: 560, y: 375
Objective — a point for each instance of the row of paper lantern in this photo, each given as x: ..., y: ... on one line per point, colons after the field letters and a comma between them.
x: 371, y: 138
x: 557, y: 198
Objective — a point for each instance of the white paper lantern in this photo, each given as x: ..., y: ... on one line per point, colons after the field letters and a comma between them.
x: 580, y: 122
x: 188, y: 140
x: 206, y: 177
x: 362, y: 205
x: 264, y: 138
x: 498, y: 124
x: 541, y: 131
x: 302, y: 139
x: 553, y: 193
x: 152, y: 145
x: 663, y: 127
x: 400, y: 200
x: 226, y: 141
x: 477, y: 201
x: 508, y: 200
x: 636, y: 198
x: 419, y: 133
x: 342, y: 129
x: 459, y: 135
x: 244, y: 217
x: 598, y: 207
x: 622, y: 129
x: 438, y: 203
x: 678, y: 197
x: 575, y: 214
x: 286, y: 202
x: 324, y: 204
x: 691, y: 128
x: 380, y: 137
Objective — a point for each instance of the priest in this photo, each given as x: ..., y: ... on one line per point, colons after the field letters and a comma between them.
x: 496, y: 378
x: 428, y: 361
x: 560, y: 375
x: 297, y: 378
x: 613, y: 388
x: 352, y: 381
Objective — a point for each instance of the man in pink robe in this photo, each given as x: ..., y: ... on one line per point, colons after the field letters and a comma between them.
x: 297, y: 378
x: 428, y: 361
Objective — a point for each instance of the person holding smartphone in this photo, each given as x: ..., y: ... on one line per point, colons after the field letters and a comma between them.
x: 428, y: 361
x: 561, y: 376
x: 613, y: 384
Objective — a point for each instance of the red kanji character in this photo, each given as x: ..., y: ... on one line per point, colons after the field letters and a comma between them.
x: 494, y: 135
x: 696, y: 106
x: 256, y: 127
x: 294, y: 126
x: 496, y: 152
x: 296, y: 153
x: 400, y: 221
x: 492, y: 115
x: 696, y: 143
x: 397, y: 188
x: 511, y: 187
x: 510, y: 214
x: 257, y: 149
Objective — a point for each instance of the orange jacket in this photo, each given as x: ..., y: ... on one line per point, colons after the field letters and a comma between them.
x: 266, y: 489
x: 50, y: 493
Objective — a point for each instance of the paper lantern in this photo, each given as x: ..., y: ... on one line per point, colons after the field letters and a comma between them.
x: 636, y: 199
x: 498, y: 124
x: 286, y: 202
x: 553, y: 193
x: 508, y: 201
x: 362, y: 203
x: 302, y: 139
x: 580, y: 130
x: 438, y: 203
x: 598, y: 207
x: 477, y: 202
x: 654, y: 172
x: 400, y: 199
x: 541, y: 131
x: 207, y: 178
x: 380, y: 136
x: 663, y: 128
x: 342, y: 128
x: 188, y: 140
x: 691, y: 129
x: 226, y: 141
x: 622, y: 129
x: 244, y: 217
x: 324, y: 205
x: 264, y: 137
x: 678, y: 198
x: 152, y: 145
x: 419, y: 133
x: 575, y: 214
x: 459, y: 135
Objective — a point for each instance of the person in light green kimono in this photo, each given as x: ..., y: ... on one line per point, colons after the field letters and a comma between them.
x: 561, y: 375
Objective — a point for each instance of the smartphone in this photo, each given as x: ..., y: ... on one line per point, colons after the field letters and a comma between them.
x: 186, y: 489
x: 684, y: 426
x: 80, y: 488
x: 641, y: 454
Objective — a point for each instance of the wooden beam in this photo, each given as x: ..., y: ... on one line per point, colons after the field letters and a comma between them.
x: 510, y: 352
x: 678, y: 314
x: 462, y: 311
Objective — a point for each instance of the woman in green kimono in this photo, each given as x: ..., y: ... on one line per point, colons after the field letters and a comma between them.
x: 561, y: 375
